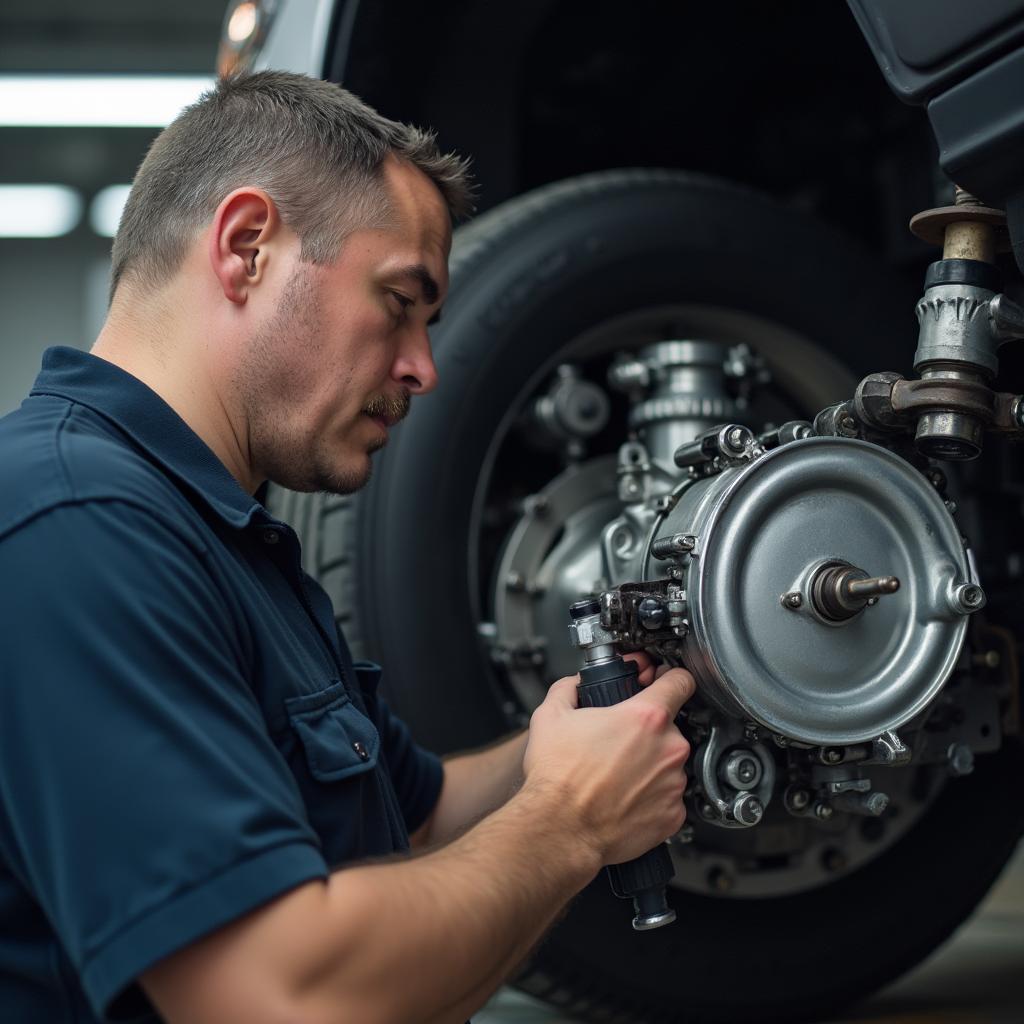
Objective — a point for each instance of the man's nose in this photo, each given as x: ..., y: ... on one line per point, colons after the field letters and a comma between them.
x: 414, y: 366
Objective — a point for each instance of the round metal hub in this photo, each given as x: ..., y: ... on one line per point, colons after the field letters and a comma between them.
x: 765, y: 531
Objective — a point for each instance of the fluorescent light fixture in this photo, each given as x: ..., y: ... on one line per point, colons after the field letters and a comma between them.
x: 97, y: 101
x: 38, y: 211
x: 105, y: 209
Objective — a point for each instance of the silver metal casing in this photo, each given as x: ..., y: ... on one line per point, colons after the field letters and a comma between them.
x: 762, y: 531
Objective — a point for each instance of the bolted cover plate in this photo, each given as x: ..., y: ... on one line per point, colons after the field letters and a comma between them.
x: 764, y: 529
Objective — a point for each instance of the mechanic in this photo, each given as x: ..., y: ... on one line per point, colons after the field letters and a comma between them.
x: 198, y: 788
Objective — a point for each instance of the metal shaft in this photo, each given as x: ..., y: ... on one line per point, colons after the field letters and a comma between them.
x: 874, y: 586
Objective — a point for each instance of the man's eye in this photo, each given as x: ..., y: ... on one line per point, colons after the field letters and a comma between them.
x: 404, y: 302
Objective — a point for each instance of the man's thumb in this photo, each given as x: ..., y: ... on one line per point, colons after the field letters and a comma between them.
x: 672, y: 689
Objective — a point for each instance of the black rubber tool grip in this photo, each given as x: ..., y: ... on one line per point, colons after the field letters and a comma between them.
x: 643, y: 880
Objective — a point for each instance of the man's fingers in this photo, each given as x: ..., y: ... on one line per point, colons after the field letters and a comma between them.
x: 673, y: 689
x: 563, y: 691
x: 644, y: 666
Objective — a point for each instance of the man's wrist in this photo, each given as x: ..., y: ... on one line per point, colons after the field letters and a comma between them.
x: 553, y: 811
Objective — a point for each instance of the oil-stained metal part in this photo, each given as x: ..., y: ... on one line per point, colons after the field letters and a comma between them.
x: 931, y: 226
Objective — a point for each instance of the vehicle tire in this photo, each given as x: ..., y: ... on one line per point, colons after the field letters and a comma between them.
x: 402, y: 563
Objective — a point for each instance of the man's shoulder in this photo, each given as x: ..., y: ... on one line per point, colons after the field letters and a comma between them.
x: 54, y: 452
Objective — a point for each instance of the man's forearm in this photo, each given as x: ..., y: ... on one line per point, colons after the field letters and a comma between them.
x: 451, y: 924
x: 475, y: 784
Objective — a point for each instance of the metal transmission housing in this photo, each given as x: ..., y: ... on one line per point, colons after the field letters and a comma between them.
x: 762, y: 532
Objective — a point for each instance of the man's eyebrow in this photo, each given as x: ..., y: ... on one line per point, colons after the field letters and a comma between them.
x: 421, y: 275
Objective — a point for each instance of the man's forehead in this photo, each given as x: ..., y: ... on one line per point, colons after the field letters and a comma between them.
x: 416, y: 202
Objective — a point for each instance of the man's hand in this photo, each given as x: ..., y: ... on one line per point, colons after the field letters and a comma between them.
x: 619, y: 769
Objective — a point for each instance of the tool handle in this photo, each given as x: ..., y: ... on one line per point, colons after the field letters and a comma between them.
x: 644, y: 879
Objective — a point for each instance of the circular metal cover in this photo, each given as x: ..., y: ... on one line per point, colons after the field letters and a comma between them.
x: 762, y: 532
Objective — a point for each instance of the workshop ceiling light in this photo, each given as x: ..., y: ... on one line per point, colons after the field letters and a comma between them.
x: 105, y: 209
x: 38, y: 211
x: 114, y: 101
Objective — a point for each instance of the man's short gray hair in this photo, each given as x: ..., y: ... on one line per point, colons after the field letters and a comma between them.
x: 316, y: 149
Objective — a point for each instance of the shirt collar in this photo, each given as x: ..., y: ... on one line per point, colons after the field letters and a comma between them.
x: 142, y: 414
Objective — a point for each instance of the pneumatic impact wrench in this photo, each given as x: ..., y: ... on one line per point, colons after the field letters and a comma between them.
x: 605, y: 679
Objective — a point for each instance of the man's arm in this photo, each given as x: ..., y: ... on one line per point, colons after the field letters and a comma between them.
x: 429, y: 939
x: 475, y: 784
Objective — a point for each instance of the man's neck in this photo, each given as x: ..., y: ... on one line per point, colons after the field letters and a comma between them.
x: 147, y: 342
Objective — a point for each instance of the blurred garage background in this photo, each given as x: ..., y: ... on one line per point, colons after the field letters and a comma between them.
x: 70, y: 140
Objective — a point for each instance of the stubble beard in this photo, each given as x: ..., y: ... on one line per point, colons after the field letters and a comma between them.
x: 269, y: 384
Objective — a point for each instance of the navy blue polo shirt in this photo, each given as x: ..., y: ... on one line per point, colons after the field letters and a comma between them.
x: 183, y: 733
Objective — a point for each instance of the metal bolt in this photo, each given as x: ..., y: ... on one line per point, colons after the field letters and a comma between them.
x: 707, y: 810
x: 951, y: 506
x: 822, y: 811
x: 538, y: 505
x: 848, y: 423
x: 833, y: 755
x: 735, y: 438
x: 677, y: 544
x: 798, y: 799
x: 742, y: 769
x: 875, y: 803
x: 794, y: 599
x: 961, y: 759
x: 751, y: 732
x: 748, y: 809
x: 968, y: 597
x: 937, y: 479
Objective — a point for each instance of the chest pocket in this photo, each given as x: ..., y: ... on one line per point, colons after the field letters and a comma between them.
x: 335, y: 758
x: 338, y: 739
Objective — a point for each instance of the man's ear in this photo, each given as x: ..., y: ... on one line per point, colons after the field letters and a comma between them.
x: 243, y: 226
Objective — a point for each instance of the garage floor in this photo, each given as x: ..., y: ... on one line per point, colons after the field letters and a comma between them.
x: 976, y: 978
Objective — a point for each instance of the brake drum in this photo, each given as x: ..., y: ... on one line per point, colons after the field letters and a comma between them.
x: 764, y: 531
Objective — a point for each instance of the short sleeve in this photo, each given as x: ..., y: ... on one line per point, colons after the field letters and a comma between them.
x: 142, y: 801
x: 416, y: 774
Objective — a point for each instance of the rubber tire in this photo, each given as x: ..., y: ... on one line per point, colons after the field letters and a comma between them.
x: 526, y: 277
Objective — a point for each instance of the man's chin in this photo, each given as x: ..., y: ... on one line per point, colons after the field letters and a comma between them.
x: 310, y: 479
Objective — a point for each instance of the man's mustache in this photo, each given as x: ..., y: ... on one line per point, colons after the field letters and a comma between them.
x: 391, y: 408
